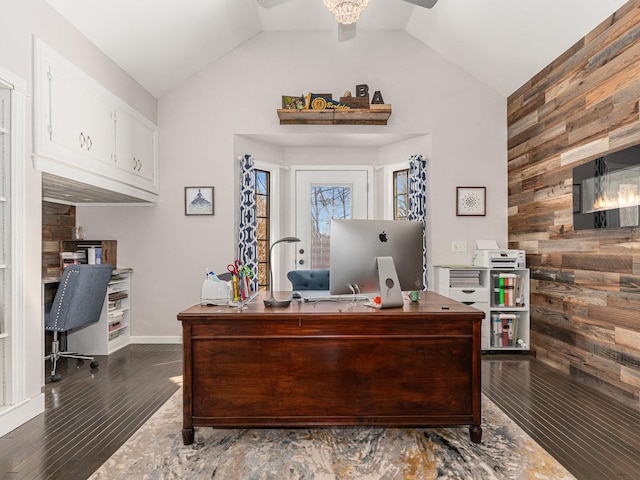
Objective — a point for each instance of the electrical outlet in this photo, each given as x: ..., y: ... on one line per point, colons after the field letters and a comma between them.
x: 459, y: 246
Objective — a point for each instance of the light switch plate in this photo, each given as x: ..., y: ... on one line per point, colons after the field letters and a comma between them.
x: 459, y: 246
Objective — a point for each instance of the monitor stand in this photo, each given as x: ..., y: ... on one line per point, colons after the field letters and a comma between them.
x: 390, y: 292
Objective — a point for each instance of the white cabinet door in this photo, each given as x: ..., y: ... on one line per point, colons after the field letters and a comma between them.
x: 135, y: 147
x: 81, y: 120
x: 75, y: 122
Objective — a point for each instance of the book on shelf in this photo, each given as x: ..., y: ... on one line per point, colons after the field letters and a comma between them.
x: 114, y: 326
x: 506, y: 290
x: 117, y: 296
x: 504, y: 327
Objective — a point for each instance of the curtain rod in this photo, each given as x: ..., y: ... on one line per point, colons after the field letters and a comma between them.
x: 283, y: 167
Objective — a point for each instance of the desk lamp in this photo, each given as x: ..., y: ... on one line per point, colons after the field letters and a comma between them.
x: 271, y: 301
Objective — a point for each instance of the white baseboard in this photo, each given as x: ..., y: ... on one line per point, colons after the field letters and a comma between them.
x: 15, y: 415
x: 146, y: 340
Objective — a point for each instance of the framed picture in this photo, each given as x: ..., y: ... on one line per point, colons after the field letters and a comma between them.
x: 471, y: 201
x: 198, y: 200
x: 291, y: 102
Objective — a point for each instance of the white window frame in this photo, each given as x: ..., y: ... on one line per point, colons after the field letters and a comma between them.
x: 16, y: 383
x: 274, y: 198
x: 388, y: 170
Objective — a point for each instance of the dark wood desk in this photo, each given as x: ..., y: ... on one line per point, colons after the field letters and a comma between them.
x: 315, y: 365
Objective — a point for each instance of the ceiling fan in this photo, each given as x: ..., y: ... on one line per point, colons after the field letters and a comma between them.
x: 347, y: 31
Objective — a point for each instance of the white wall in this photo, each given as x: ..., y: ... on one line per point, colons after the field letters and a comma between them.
x: 200, y: 121
x: 19, y: 22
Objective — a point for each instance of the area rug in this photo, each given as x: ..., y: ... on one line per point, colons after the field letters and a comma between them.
x: 156, y: 451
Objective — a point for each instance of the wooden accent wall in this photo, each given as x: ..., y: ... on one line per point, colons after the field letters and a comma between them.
x: 57, y: 222
x: 585, y: 302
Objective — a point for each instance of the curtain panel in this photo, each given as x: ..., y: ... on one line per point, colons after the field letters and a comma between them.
x: 248, y: 226
x: 418, y: 205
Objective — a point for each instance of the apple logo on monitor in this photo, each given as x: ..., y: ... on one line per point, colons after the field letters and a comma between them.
x: 383, y: 237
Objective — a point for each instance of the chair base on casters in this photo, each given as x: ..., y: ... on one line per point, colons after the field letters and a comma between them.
x: 56, y: 354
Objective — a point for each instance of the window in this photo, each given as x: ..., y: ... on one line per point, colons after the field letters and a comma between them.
x: 263, y: 217
x: 401, y: 194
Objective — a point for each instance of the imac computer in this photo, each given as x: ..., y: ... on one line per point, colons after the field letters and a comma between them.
x: 376, y: 256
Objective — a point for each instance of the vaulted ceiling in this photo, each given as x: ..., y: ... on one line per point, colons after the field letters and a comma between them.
x: 503, y: 43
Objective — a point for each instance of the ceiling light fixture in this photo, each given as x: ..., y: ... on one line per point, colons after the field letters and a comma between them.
x: 346, y: 12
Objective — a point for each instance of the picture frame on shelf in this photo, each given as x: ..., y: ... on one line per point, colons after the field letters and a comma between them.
x: 198, y: 201
x: 471, y: 201
x: 292, y: 102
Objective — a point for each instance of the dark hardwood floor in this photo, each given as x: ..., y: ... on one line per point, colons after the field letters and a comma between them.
x: 592, y: 435
x: 89, y: 415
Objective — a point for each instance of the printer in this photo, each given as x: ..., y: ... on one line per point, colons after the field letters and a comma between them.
x: 498, y: 258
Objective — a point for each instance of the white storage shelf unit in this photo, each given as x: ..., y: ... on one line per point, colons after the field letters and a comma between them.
x: 501, y: 293
x: 113, y: 331
x: 6, y: 365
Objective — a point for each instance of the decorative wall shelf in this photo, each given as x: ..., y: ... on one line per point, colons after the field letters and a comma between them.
x: 376, y: 115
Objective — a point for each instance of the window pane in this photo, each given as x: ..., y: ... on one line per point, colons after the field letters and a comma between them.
x: 401, y: 194
x: 327, y: 202
x: 401, y: 210
x: 263, y: 218
x: 402, y: 182
x: 262, y: 182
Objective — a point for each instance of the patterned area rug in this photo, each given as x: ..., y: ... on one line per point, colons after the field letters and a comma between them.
x: 360, y: 453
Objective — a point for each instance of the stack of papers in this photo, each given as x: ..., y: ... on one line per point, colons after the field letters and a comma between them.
x: 464, y: 278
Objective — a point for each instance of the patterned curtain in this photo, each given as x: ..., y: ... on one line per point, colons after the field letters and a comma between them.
x: 418, y: 204
x: 248, y: 228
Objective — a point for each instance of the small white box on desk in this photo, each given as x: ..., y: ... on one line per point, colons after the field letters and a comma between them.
x: 214, y: 293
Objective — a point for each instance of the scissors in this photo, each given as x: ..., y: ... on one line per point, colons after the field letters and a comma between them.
x: 245, y: 271
x: 234, y: 267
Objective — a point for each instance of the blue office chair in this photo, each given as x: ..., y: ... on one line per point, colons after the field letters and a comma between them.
x: 309, y: 279
x: 78, y: 302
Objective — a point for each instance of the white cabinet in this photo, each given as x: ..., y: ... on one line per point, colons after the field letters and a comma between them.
x: 135, y: 147
x: 501, y: 293
x: 80, y: 122
x: 113, y: 330
x: 85, y: 133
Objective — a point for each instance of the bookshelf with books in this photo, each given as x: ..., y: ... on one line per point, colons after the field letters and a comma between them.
x: 509, y: 309
x: 113, y: 330
x: 502, y: 294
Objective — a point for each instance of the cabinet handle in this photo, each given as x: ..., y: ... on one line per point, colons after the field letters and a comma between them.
x: 139, y: 165
x: 82, y: 139
x: 89, y: 143
x: 468, y: 291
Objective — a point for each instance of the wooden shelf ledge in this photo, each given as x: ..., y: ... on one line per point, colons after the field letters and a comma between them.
x: 376, y: 115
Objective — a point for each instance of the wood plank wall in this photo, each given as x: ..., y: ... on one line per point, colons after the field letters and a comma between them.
x: 585, y: 302
x: 57, y: 222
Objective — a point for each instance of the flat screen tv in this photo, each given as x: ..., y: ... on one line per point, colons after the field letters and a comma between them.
x: 376, y: 256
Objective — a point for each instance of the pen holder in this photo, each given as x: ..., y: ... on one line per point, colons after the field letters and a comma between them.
x: 240, y: 290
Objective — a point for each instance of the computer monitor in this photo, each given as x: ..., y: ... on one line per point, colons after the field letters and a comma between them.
x: 376, y: 256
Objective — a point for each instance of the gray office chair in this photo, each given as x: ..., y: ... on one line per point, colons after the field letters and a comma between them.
x: 78, y: 302
x: 309, y: 279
